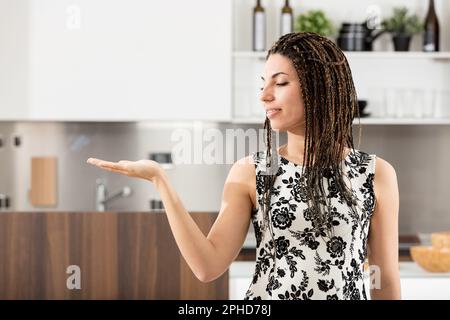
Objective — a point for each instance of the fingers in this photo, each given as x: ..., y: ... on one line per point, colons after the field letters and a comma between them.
x: 116, y: 170
x: 91, y: 160
x: 94, y: 161
x: 110, y: 166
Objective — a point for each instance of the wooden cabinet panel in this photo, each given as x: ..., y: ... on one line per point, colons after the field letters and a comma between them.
x: 120, y: 256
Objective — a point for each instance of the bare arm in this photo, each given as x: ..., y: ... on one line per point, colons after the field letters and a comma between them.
x: 208, y: 257
x: 383, y: 234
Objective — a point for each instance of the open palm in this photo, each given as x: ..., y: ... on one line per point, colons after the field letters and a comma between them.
x: 144, y: 169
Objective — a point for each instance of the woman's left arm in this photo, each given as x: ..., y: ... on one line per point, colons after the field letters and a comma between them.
x: 383, y: 234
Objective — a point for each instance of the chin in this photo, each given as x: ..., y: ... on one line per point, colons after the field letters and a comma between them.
x: 278, y: 126
x: 288, y: 123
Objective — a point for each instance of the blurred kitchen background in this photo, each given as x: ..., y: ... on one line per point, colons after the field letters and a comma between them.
x: 419, y: 153
x: 114, y: 79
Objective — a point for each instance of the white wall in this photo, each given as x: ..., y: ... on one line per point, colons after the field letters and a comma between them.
x: 84, y: 60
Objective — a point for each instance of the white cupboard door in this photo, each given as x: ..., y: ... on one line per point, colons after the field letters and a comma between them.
x: 425, y: 288
x: 13, y: 59
x: 119, y: 60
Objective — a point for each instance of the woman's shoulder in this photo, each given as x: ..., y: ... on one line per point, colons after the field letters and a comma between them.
x: 385, y: 177
x: 243, y: 172
x: 249, y: 162
x: 384, y: 169
x: 242, y: 178
x: 244, y: 168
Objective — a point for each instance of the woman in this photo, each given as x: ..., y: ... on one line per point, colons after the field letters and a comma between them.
x: 318, y: 207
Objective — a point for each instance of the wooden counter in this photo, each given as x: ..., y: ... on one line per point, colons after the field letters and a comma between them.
x: 120, y: 255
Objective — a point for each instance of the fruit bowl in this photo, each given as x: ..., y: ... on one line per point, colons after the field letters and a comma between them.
x: 431, y: 259
x: 441, y: 239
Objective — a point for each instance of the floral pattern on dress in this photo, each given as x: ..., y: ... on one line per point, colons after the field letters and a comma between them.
x: 295, y: 259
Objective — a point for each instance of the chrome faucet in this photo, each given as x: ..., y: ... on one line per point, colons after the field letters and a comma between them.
x: 101, y: 198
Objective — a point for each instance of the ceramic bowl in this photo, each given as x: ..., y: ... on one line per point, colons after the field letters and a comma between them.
x: 431, y: 259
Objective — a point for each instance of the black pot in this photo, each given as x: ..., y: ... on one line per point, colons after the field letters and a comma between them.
x: 401, y: 41
x: 356, y: 37
x: 352, y: 42
x: 362, y: 104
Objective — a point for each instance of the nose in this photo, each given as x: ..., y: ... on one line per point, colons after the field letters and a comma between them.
x: 266, y: 95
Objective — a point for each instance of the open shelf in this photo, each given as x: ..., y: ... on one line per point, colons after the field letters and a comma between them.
x: 371, y: 70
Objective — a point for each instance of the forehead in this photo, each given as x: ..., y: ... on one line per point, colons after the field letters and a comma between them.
x: 278, y: 63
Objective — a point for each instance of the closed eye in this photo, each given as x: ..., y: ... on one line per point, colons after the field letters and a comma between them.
x: 278, y: 84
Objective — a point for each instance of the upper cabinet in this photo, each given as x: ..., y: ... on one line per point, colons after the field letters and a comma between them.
x: 14, y: 50
x: 115, y: 60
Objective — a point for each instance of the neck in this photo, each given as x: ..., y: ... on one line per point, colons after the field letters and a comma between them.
x: 295, y: 145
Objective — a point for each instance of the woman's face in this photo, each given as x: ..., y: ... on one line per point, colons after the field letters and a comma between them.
x: 281, y: 95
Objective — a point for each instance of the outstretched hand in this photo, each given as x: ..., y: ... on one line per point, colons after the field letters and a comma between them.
x: 144, y: 169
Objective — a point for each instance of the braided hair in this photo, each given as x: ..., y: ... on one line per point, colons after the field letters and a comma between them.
x: 331, y: 105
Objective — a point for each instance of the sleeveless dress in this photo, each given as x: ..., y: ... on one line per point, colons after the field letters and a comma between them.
x: 293, y: 259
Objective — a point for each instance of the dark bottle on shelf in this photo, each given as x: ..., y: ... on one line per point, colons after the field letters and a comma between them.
x: 287, y: 19
x: 259, y: 27
x: 431, y: 35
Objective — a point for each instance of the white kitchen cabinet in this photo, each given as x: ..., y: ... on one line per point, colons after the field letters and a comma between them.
x: 418, y: 284
x: 119, y: 60
x: 422, y: 288
x: 240, y: 276
x: 13, y: 59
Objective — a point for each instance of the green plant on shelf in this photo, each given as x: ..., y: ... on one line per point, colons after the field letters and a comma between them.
x: 314, y: 21
x: 401, y: 22
x: 402, y: 26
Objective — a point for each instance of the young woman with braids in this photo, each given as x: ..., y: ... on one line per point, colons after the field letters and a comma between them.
x: 318, y: 206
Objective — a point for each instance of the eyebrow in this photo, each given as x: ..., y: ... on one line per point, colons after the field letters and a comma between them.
x: 274, y: 75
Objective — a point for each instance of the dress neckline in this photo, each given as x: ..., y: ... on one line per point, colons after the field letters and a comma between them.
x: 352, y: 151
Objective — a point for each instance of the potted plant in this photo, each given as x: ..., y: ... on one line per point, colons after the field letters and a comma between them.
x: 314, y: 21
x: 402, y: 26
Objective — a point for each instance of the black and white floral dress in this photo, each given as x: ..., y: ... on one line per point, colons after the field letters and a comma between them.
x: 304, y: 264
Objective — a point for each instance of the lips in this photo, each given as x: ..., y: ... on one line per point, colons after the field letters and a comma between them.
x: 272, y: 112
